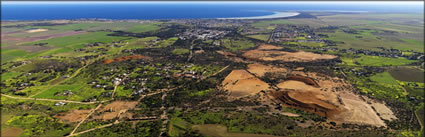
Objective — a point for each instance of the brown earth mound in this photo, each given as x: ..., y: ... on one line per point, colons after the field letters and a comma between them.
x: 273, y: 55
x: 124, y: 58
x: 241, y: 83
x: 260, y: 69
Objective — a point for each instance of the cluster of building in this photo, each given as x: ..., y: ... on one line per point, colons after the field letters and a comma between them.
x: 203, y: 34
x: 292, y: 33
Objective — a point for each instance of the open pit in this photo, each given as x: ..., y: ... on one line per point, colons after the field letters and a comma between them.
x: 329, y: 97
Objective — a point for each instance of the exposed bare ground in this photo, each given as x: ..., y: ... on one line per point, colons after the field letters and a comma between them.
x: 383, y: 111
x: 317, y: 93
x: 12, y: 132
x: 260, y: 69
x: 36, y: 30
x: 333, y: 98
x: 114, y: 110
x: 357, y: 111
x: 73, y: 116
x: 231, y: 56
x: 241, y: 83
x: 268, y: 47
x: 299, y: 56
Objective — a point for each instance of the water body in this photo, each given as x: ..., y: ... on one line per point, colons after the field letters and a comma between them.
x: 187, y: 10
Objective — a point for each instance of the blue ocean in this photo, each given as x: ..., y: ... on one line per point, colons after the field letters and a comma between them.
x: 185, y: 10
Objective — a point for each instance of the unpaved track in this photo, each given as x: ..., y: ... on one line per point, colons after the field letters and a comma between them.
x: 82, y: 121
x: 82, y: 132
x: 164, y: 115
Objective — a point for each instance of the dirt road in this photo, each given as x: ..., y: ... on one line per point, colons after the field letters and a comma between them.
x: 45, y: 99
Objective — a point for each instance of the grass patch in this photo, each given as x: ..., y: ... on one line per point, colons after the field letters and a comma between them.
x: 237, y: 44
x: 371, y: 41
x: 9, y: 75
x: 376, y: 61
x: 11, y: 54
x: 180, y: 51
x: 143, y: 28
x: 260, y: 37
x: 78, y: 41
x: 384, y: 77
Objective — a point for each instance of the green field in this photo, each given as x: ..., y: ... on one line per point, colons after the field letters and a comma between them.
x: 237, y: 45
x: 376, y: 61
x: 260, y: 37
x: 167, y: 42
x: 371, y: 41
x: 78, y: 41
x: 384, y: 77
x: 11, y: 54
x: 61, y: 45
x: 143, y: 28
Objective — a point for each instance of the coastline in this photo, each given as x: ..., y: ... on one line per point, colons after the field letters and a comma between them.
x: 275, y: 15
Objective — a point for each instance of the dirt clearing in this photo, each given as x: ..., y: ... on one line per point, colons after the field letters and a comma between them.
x: 115, y: 109
x: 241, y: 83
x: 12, y: 132
x: 272, y: 55
x: 260, y: 69
x: 357, y: 111
x: 268, y: 47
x: 266, y: 52
x: 383, y: 111
x: 73, y: 116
